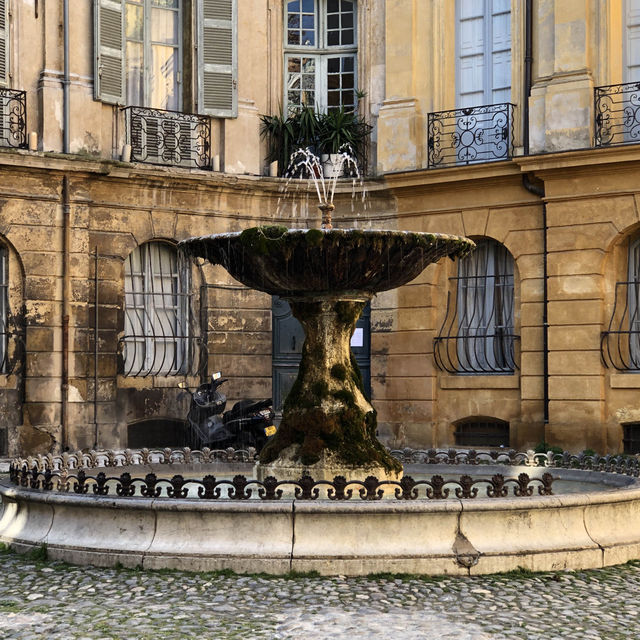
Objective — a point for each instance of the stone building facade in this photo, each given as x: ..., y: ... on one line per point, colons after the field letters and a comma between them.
x: 488, y: 121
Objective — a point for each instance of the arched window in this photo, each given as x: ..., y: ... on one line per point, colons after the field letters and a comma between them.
x: 4, y: 309
x: 156, y: 311
x: 478, y: 333
x: 320, y: 54
x: 620, y: 343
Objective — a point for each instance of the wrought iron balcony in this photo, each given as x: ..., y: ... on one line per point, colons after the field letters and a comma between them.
x: 471, y: 135
x: 617, y: 114
x: 620, y: 343
x: 13, y: 118
x: 169, y: 137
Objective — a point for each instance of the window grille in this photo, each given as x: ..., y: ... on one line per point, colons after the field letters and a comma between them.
x: 321, y: 54
x: 478, y: 335
x: 482, y: 433
x: 620, y: 343
x: 631, y: 438
x: 4, y: 309
x: 156, y: 337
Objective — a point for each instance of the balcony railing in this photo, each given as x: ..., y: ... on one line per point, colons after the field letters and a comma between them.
x: 13, y: 118
x: 169, y: 137
x: 617, y: 114
x: 620, y: 343
x: 470, y: 135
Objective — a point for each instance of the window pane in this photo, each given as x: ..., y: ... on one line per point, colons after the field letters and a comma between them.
x: 167, y: 4
x: 133, y: 23
x: 164, y: 78
x: 333, y: 6
x: 307, y: 6
x: 135, y: 79
x: 333, y: 21
x: 293, y: 6
x: 347, y: 36
x: 347, y: 63
x: 347, y: 81
x: 164, y: 26
x: 333, y: 65
x: 347, y: 20
x: 308, y: 38
x: 347, y: 5
x: 333, y: 38
x: 293, y: 37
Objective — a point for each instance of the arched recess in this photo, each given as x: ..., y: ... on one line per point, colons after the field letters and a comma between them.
x: 478, y: 333
x: 12, y: 346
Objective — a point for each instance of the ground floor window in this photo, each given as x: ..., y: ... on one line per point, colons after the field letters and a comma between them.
x: 156, y: 319
x: 482, y: 432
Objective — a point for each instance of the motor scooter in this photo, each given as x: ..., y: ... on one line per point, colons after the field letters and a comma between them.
x: 247, y: 424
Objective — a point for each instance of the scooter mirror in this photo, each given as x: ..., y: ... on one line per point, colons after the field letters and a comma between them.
x: 216, y: 375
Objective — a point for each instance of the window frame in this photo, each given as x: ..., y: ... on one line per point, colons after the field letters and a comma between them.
x: 147, y: 48
x: 488, y: 54
x: 145, y: 317
x: 321, y: 52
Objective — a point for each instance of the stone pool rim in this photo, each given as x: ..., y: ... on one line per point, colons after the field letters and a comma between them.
x: 458, y: 537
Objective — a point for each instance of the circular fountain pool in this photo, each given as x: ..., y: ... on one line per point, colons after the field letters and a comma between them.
x: 590, y: 519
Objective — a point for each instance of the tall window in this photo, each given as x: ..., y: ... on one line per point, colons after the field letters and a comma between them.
x: 4, y: 43
x: 156, y: 305
x: 140, y: 48
x: 4, y: 308
x: 320, y: 54
x: 153, y: 53
x: 485, y: 310
x: 632, y: 41
x: 483, y: 52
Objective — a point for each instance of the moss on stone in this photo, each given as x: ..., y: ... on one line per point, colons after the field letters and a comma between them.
x: 314, y: 237
x: 261, y: 239
x: 339, y: 372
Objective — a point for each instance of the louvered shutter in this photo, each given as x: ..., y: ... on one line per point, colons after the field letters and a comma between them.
x: 218, y: 58
x: 4, y: 43
x: 632, y: 42
x: 108, y: 80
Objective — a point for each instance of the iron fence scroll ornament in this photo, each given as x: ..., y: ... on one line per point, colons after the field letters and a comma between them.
x: 13, y: 118
x: 470, y: 135
x: 620, y: 343
x: 617, y: 114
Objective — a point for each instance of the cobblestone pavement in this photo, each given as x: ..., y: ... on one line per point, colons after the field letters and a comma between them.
x: 42, y: 599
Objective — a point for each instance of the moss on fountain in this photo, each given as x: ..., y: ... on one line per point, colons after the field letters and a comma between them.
x: 326, y: 411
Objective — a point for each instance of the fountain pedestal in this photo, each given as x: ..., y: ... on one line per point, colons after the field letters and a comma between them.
x: 328, y: 426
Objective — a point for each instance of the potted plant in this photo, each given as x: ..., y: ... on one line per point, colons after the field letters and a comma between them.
x: 343, y: 131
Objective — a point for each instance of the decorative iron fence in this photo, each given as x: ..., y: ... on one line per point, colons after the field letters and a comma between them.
x: 169, y: 137
x: 105, y: 459
x: 12, y: 345
x: 617, y: 114
x: 13, y: 118
x: 306, y: 488
x: 470, y: 135
x: 620, y: 343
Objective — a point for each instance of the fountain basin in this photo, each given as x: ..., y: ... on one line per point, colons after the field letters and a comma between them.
x: 587, y: 529
x: 294, y: 262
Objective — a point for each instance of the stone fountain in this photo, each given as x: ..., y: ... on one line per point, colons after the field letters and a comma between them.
x: 327, y: 275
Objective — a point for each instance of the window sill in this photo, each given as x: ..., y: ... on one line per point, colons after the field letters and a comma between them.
x: 510, y: 381
x: 624, y: 381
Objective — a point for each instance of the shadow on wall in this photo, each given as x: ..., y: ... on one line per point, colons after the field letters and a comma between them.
x: 156, y: 433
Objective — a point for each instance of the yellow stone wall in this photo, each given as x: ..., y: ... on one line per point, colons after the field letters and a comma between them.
x: 407, y: 68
